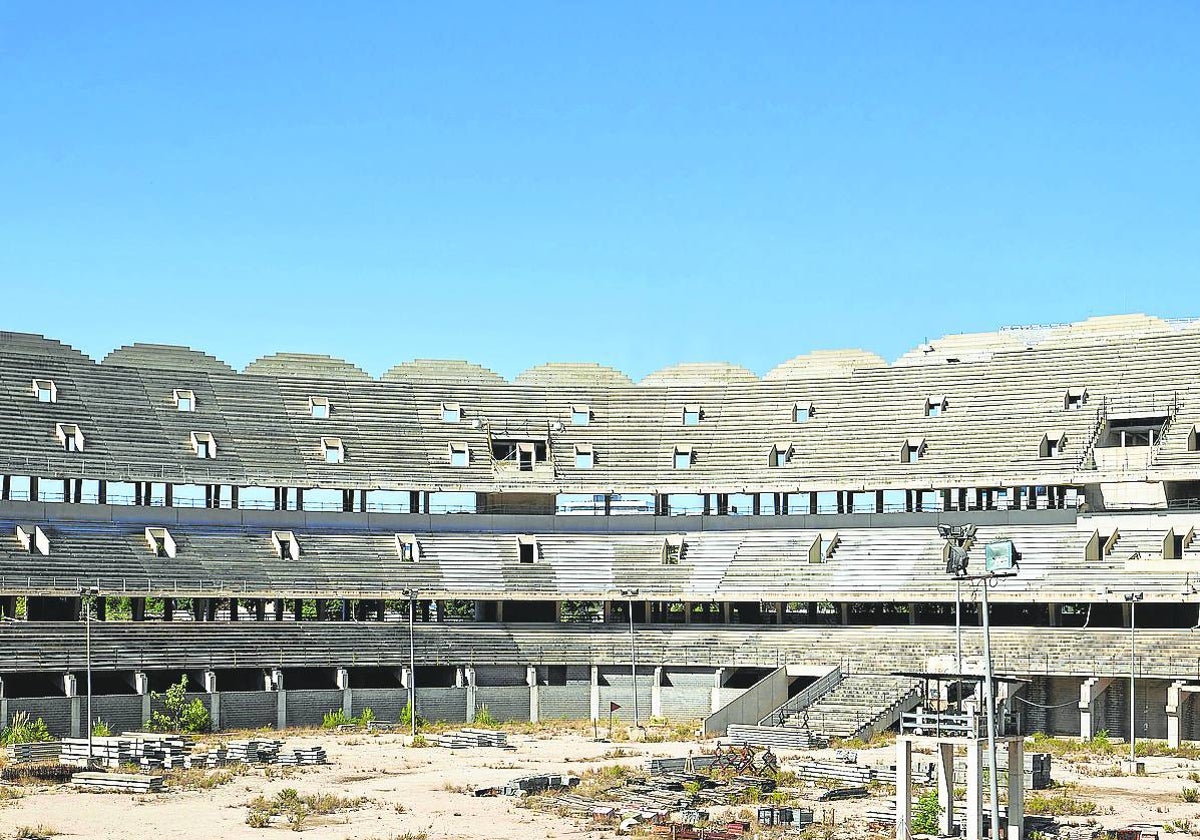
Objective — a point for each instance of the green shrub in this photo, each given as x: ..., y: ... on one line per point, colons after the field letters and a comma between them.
x: 23, y: 731
x: 1191, y: 794
x: 484, y: 718
x: 406, y: 717
x: 925, y: 815
x: 180, y: 715
x: 100, y: 729
x: 334, y: 718
x: 366, y: 717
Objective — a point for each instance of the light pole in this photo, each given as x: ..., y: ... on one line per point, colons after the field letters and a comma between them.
x: 630, y: 594
x: 1132, y: 598
x: 411, y: 595
x: 87, y: 595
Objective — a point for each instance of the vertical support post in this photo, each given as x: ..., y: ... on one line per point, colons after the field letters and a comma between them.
x: 1175, y: 700
x: 989, y: 693
x: 531, y: 679
x: 656, y: 693
x: 595, y: 693
x: 718, y: 681
x: 903, y: 788
x: 1016, y: 788
x: 141, y: 687
x: 214, y: 698
x: 974, y: 809
x: 343, y: 682
x: 945, y: 787
x: 71, y: 690
x: 472, y: 692
x: 633, y: 666
x: 276, y: 681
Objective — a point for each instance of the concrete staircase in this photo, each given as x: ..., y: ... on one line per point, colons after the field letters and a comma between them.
x: 860, y: 705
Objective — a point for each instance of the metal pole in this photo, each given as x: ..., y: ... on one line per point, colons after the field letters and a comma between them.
x: 1132, y: 694
x: 412, y: 666
x: 958, y: 623
x: 87, y: 624
x: 633, y: 666
x: 990, y: 698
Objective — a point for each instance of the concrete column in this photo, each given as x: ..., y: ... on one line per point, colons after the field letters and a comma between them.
x: 595, y: 693
x: 656, y: 693
x: 214, y: 698
x: 71, y: 689
x: 728, y: 612
x: 945, y: 788
x: 472, y: 692
x: 531, y: 679
x: 1089, y: 693
x: 276, y: 681
x: 718, y: 681
x: 973, y: 822
x: 1016, y: 788
x: 342, y: 677
x: 1175, y: 701
x: 845, y: 609
x: 141, y: 687
x: 3, y: 706
x: 903, y: 789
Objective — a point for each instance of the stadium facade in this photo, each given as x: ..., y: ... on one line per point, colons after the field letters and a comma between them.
x: 265, y: 532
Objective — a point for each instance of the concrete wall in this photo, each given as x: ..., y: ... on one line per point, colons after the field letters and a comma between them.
x: 571, y: 702
x: 307, y: 707
x: 689, y: 694
x: 122, y: 712
x: 386, y: 703
x: 55, y: 711
x: 507, y: 702
x: 444, y: 704
x: 619, y: 690
x: 249, y: 709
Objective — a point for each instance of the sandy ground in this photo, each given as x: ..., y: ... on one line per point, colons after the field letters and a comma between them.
x: 389, y: 774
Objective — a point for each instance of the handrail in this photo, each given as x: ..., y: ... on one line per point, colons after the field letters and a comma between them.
x: 806, y: 697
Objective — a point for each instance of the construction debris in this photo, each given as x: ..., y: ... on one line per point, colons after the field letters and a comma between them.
x: 779, y: 737
x: 38, y: 751
x: 118, y: 782
x: 150, y: 751
x: 465, y: 738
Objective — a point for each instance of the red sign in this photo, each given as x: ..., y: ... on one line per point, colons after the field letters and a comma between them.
x: 612, y: 707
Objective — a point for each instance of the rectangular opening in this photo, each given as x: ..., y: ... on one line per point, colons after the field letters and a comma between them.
x: 33, y: 540
x: 581, y: 415
x: 335, y: 453
x: 683, y: 457
x: 407, y: 548
x: 460, y: 455
x: 802, y: 412
x: 585, y: 457
x: 285, y: 544
x: 451, y: 412
x: 912, y: 450
x: 781, y: 453
x: 522, y: 454
x: 184, y: 400
x: 527, y: 549
x: 318, y: 408
x: 935, y: 406
x: 1075, y: 399
x: 69, y: 435
x: 203, y: 445
x: 672, y: 551
x: 161, y: 543
x: 691, y: 415
x: 45, y: 390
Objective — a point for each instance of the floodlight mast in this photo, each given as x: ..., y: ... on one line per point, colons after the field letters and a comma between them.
x: 956, y: 564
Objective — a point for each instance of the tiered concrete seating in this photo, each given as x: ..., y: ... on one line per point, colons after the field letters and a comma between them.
x: 851, y: 705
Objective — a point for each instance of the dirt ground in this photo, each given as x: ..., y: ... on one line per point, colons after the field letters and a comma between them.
x: 415, y: 793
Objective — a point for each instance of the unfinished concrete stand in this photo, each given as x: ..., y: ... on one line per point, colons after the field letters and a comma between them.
x: 944, y: 749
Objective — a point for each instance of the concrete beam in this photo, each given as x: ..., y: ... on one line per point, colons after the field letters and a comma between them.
x: 1089, y: 693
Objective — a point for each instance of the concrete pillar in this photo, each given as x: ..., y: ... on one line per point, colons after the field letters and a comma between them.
x: 276, y: 680
x: 141, y: 687
x: 595, y: 693
x: 656, y: 693
x: 1175, y: 701
x: 71, y: 689
x: 903, y: 789
x: 912, y: 612
x: 718, y: 681
x: 945, y: 788
x: 1016, y: 788
x: 214, y: 698
x: 531, y: 679
x: 973, y: 819
x: 845, y: 610
x: 3, y: 706
x: 607, y: 612
x: 342, y: 678
x: 728, y: 612
x: 472, y: 692
x: 1089, y: 693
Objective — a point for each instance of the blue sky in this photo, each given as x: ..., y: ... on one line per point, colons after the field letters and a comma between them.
x: 636, y: 184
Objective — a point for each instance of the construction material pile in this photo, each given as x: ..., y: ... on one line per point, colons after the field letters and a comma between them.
x: 466, y: 738
x: 153, y: 751
x: 118, y: 782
